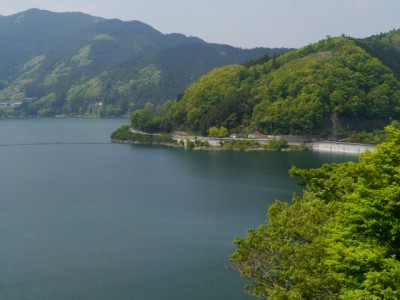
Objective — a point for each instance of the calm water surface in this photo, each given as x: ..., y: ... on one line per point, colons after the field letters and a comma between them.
x: 104, y: 221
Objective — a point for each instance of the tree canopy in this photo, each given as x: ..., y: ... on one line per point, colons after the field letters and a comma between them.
x: 339, y: 240
x: 325, y: 88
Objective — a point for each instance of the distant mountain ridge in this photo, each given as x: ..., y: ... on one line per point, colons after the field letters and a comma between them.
x: 77, y: 64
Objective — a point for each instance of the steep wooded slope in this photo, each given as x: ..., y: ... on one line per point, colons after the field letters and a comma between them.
x: 324, y: 88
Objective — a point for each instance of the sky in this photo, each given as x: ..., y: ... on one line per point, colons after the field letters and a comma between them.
x: 240, y: 23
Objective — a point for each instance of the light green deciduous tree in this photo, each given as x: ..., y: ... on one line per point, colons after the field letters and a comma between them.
x: 340, y: 240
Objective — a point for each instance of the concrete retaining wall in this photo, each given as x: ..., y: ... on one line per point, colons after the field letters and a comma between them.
x: 339, y: 147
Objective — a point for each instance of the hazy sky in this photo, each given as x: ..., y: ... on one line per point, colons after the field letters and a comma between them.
x: 241, y: 23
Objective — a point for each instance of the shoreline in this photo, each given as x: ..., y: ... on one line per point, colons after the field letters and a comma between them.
x: 126, y: 135
x: 206, y: 148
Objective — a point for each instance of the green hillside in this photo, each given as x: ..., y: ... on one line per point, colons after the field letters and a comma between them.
x: 76, y: 64
x: 386, y: 47
x: 325, y: 88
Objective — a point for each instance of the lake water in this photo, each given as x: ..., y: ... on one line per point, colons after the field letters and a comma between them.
x: 84, y: 219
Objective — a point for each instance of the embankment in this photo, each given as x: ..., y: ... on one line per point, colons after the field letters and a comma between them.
x: 339, y: 147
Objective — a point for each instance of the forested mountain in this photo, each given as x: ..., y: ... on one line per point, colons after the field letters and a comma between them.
x: 335, y: 85
x: 386, y: 47
x: 72, y: 63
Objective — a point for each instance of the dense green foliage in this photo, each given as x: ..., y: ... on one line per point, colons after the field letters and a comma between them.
x: 247, y: 145
x: 122, y: 134
x: 148, y: 121
x: 218, y: 132
x: 95, y: 66
x: 386, y: 47
x: 126, y: 135
x: 340, y: 240
x: 327, y: 88
x: 333, y: 80
x: 363, y: 137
